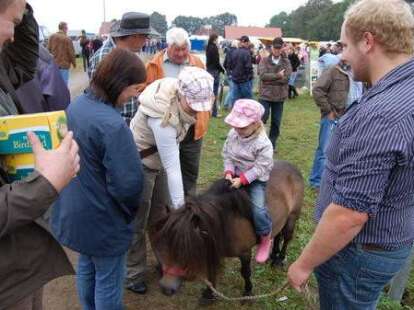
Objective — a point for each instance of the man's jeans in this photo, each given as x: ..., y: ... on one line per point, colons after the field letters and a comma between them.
x: 216, y: 75
x: 85, y: 60
x: 354, y: 278
x: 65, y: 75
x: 325, y: 132
x: 100, y: 282
x: 262, y: 220
x: 243, y: 90
x: 229, y: 101
x: 154, y: 193
x: 292, y: 78
x: 275, y: 110
x: 190, y: 152
x: 399, y: 282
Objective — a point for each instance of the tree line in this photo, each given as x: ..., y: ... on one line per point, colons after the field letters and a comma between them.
x: 318, y: 20
x: 192, y: 24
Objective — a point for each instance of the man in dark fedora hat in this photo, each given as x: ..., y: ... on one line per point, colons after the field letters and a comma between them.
x: 130, y: 33
x: 133, y: 23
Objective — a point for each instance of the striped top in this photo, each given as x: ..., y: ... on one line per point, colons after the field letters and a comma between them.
x: 128, y: 109
x: 370, y: 161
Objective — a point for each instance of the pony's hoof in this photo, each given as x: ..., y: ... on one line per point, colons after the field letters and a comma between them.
x: 247, y: 301
x: 158, y: 269
x: 278, y: 262
x: 206, y: 301
x: 207, y: 297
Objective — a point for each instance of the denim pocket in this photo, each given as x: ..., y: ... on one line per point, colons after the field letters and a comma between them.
x: 369, y: 284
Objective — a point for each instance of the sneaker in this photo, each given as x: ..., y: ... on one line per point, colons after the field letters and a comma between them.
x: 264, y: 248
x: 138, y: 288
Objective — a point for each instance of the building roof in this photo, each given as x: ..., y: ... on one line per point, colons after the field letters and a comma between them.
x: 235, y: 32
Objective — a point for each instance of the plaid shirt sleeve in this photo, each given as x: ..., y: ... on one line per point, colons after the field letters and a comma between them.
x: 98, y: 56
x: 129, y: 109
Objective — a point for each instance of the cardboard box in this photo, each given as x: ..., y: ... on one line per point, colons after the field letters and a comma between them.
x: 15, y: 149
x: 50, y: 127
x: 18, y: 166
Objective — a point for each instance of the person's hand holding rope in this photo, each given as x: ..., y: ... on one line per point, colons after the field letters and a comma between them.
x: 298, y: 276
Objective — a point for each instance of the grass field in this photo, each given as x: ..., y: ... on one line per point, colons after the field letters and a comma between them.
x: 297, y: 143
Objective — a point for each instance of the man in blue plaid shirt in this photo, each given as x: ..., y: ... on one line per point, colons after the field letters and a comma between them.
x: 130, y: 33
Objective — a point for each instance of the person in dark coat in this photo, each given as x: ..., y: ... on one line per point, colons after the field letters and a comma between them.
x: 96, y: 44
x: 47, y: 91
x: 214, y: 67
x: 241, y: 68
x: 274, y: 72
x: 86, y: 52
x: 94, y: 214
x: 30, y: 256
x: 229, y: 100
x: 295, y: 63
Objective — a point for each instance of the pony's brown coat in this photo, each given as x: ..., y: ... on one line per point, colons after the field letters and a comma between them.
x: 218, y: 223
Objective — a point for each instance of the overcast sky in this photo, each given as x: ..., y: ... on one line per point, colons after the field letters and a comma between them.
x: 88, y: 14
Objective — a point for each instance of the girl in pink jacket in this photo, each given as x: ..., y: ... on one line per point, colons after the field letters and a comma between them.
x: 248, y: 161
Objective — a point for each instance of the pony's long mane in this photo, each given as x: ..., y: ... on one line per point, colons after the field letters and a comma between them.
x: 195, y: 235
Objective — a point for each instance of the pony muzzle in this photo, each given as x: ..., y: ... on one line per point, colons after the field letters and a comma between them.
x: 171, y: 280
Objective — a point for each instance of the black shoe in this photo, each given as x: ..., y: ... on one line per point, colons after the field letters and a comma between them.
x: 290, y: 92
x: 138, y: 288
x: 295, y: 92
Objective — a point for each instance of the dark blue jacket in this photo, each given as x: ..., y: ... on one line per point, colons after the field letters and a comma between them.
x: 241, y: 65
x: 94, y: 212
x: 47, y: 91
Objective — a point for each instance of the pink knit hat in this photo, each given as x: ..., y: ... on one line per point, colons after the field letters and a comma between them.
x: 244, y: 113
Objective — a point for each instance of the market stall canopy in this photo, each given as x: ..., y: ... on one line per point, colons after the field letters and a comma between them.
x: 268, y: 40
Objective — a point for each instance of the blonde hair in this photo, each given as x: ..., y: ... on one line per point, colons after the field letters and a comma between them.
x: 391, y: 22
x: 259, y: 128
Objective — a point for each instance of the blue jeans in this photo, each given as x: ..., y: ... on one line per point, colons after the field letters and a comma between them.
x: 262, y: 220
x: 275, y: 110
x: 216, y: 76
x: 65, y: 75
x: 325, y: 132
x: 292, y: 78
x: 229, y: 101
x: 243, y: 90
x: 399, y: 282
x: 354, y: 278
x: 100, y: 282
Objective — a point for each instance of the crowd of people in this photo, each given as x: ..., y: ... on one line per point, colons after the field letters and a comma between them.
x: 135, y: 141
x: 153, y: 46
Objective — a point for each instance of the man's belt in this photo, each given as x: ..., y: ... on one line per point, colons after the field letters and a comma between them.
x: 373, y: 247
x: 148, y: 152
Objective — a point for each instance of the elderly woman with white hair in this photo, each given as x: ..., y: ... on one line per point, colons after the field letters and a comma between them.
x: 169, y: 108
x: 169, y: 63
